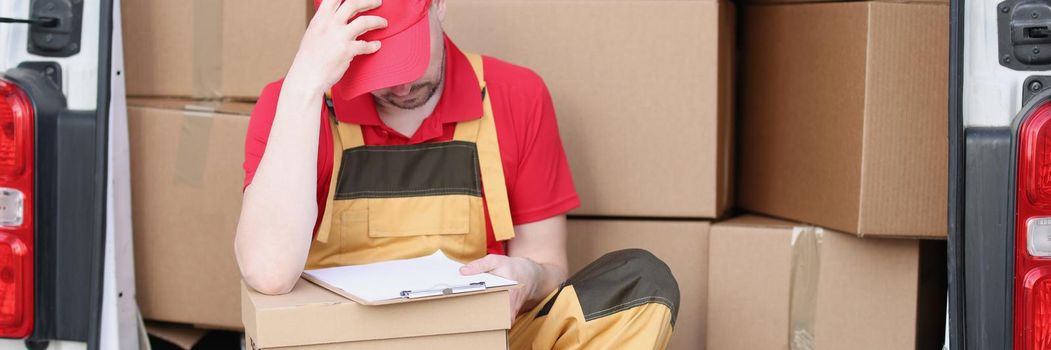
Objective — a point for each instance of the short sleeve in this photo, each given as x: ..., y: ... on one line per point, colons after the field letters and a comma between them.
x: 543, y: 185
x: 259, y: 129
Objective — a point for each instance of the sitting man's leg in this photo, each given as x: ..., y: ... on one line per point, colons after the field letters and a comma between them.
x: 626, y: 299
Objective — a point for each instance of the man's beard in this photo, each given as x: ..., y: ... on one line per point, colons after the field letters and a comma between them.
x: 429, y: 88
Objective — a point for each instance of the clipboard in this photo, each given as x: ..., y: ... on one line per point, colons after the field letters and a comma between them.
x: 400, y: 281
x: 428, y: 294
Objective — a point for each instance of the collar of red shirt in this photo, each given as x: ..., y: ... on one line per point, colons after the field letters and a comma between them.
x: 461, y: 99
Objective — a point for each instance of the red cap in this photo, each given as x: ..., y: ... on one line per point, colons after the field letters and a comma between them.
x: 404, y: 53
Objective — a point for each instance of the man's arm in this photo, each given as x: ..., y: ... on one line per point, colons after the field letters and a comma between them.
x: 536, y: 260
x: 280, y: 206
x: 544, y: 243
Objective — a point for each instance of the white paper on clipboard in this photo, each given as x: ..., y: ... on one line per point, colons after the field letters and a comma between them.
x: 400, y: 280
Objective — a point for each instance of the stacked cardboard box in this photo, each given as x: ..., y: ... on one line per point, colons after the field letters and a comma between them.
x: 313, y: 318
x: 774, y: 284
x: 215, y: 49
x: 642, y: 90
x: 181, y: 58
x: 643, y: 94
x: 186, y: 181
x: 845, y: 119
x: 843, y: 126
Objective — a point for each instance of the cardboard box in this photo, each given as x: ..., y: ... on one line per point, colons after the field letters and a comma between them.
x: 773, y: 282
x: 683, y: 245
x: 210, y: 48
x: 311, y: 317
x: 844, y: 123
x: 186, y: 181
x: 642, y: 90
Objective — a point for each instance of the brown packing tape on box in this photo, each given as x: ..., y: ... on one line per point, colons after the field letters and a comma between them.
x: 806, y: 266
x: 196, y: 130
x: 193, y: 149
x: 208, y: 46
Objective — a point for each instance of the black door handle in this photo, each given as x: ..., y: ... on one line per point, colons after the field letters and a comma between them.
x: 41, y: 21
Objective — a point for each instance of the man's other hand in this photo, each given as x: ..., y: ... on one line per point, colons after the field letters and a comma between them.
x: 522, y: 270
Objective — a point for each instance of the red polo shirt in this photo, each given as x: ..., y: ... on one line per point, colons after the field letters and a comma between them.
x: 539, y: 184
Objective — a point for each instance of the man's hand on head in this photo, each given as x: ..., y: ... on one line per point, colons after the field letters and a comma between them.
x: 331, y: 42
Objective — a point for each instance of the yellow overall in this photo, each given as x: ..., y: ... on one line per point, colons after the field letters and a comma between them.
x: 398, y: 202
x: 406, y: 201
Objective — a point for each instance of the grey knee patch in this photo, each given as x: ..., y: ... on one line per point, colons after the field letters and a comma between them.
x: 622, y: 280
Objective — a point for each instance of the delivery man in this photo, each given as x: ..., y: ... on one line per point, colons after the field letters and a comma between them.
x: 388, y: 142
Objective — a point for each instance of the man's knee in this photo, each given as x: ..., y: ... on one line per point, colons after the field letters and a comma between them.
x: 642, y: 261
x: 633, y: 262
x: 624, y: 279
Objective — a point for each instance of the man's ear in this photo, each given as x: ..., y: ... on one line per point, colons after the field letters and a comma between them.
x: 439, y: 7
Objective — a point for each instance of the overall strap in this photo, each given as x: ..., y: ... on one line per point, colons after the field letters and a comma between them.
x: 337, y: 160
x: 492, y: 168
x: 349, y: 133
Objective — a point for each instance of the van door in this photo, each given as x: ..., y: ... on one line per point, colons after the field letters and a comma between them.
x: 65, y: 248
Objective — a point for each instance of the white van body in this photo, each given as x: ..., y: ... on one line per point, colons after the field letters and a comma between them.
x: 120, y: 320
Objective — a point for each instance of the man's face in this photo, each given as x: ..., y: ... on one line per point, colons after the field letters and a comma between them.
x: 415, y: 94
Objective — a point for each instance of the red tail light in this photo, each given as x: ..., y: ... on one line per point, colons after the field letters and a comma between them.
x: 12, y: 278
x: 16, y: 212
x: 1036, y: 151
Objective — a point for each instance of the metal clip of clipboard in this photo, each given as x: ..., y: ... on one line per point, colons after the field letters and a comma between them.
x: 473, y: 287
